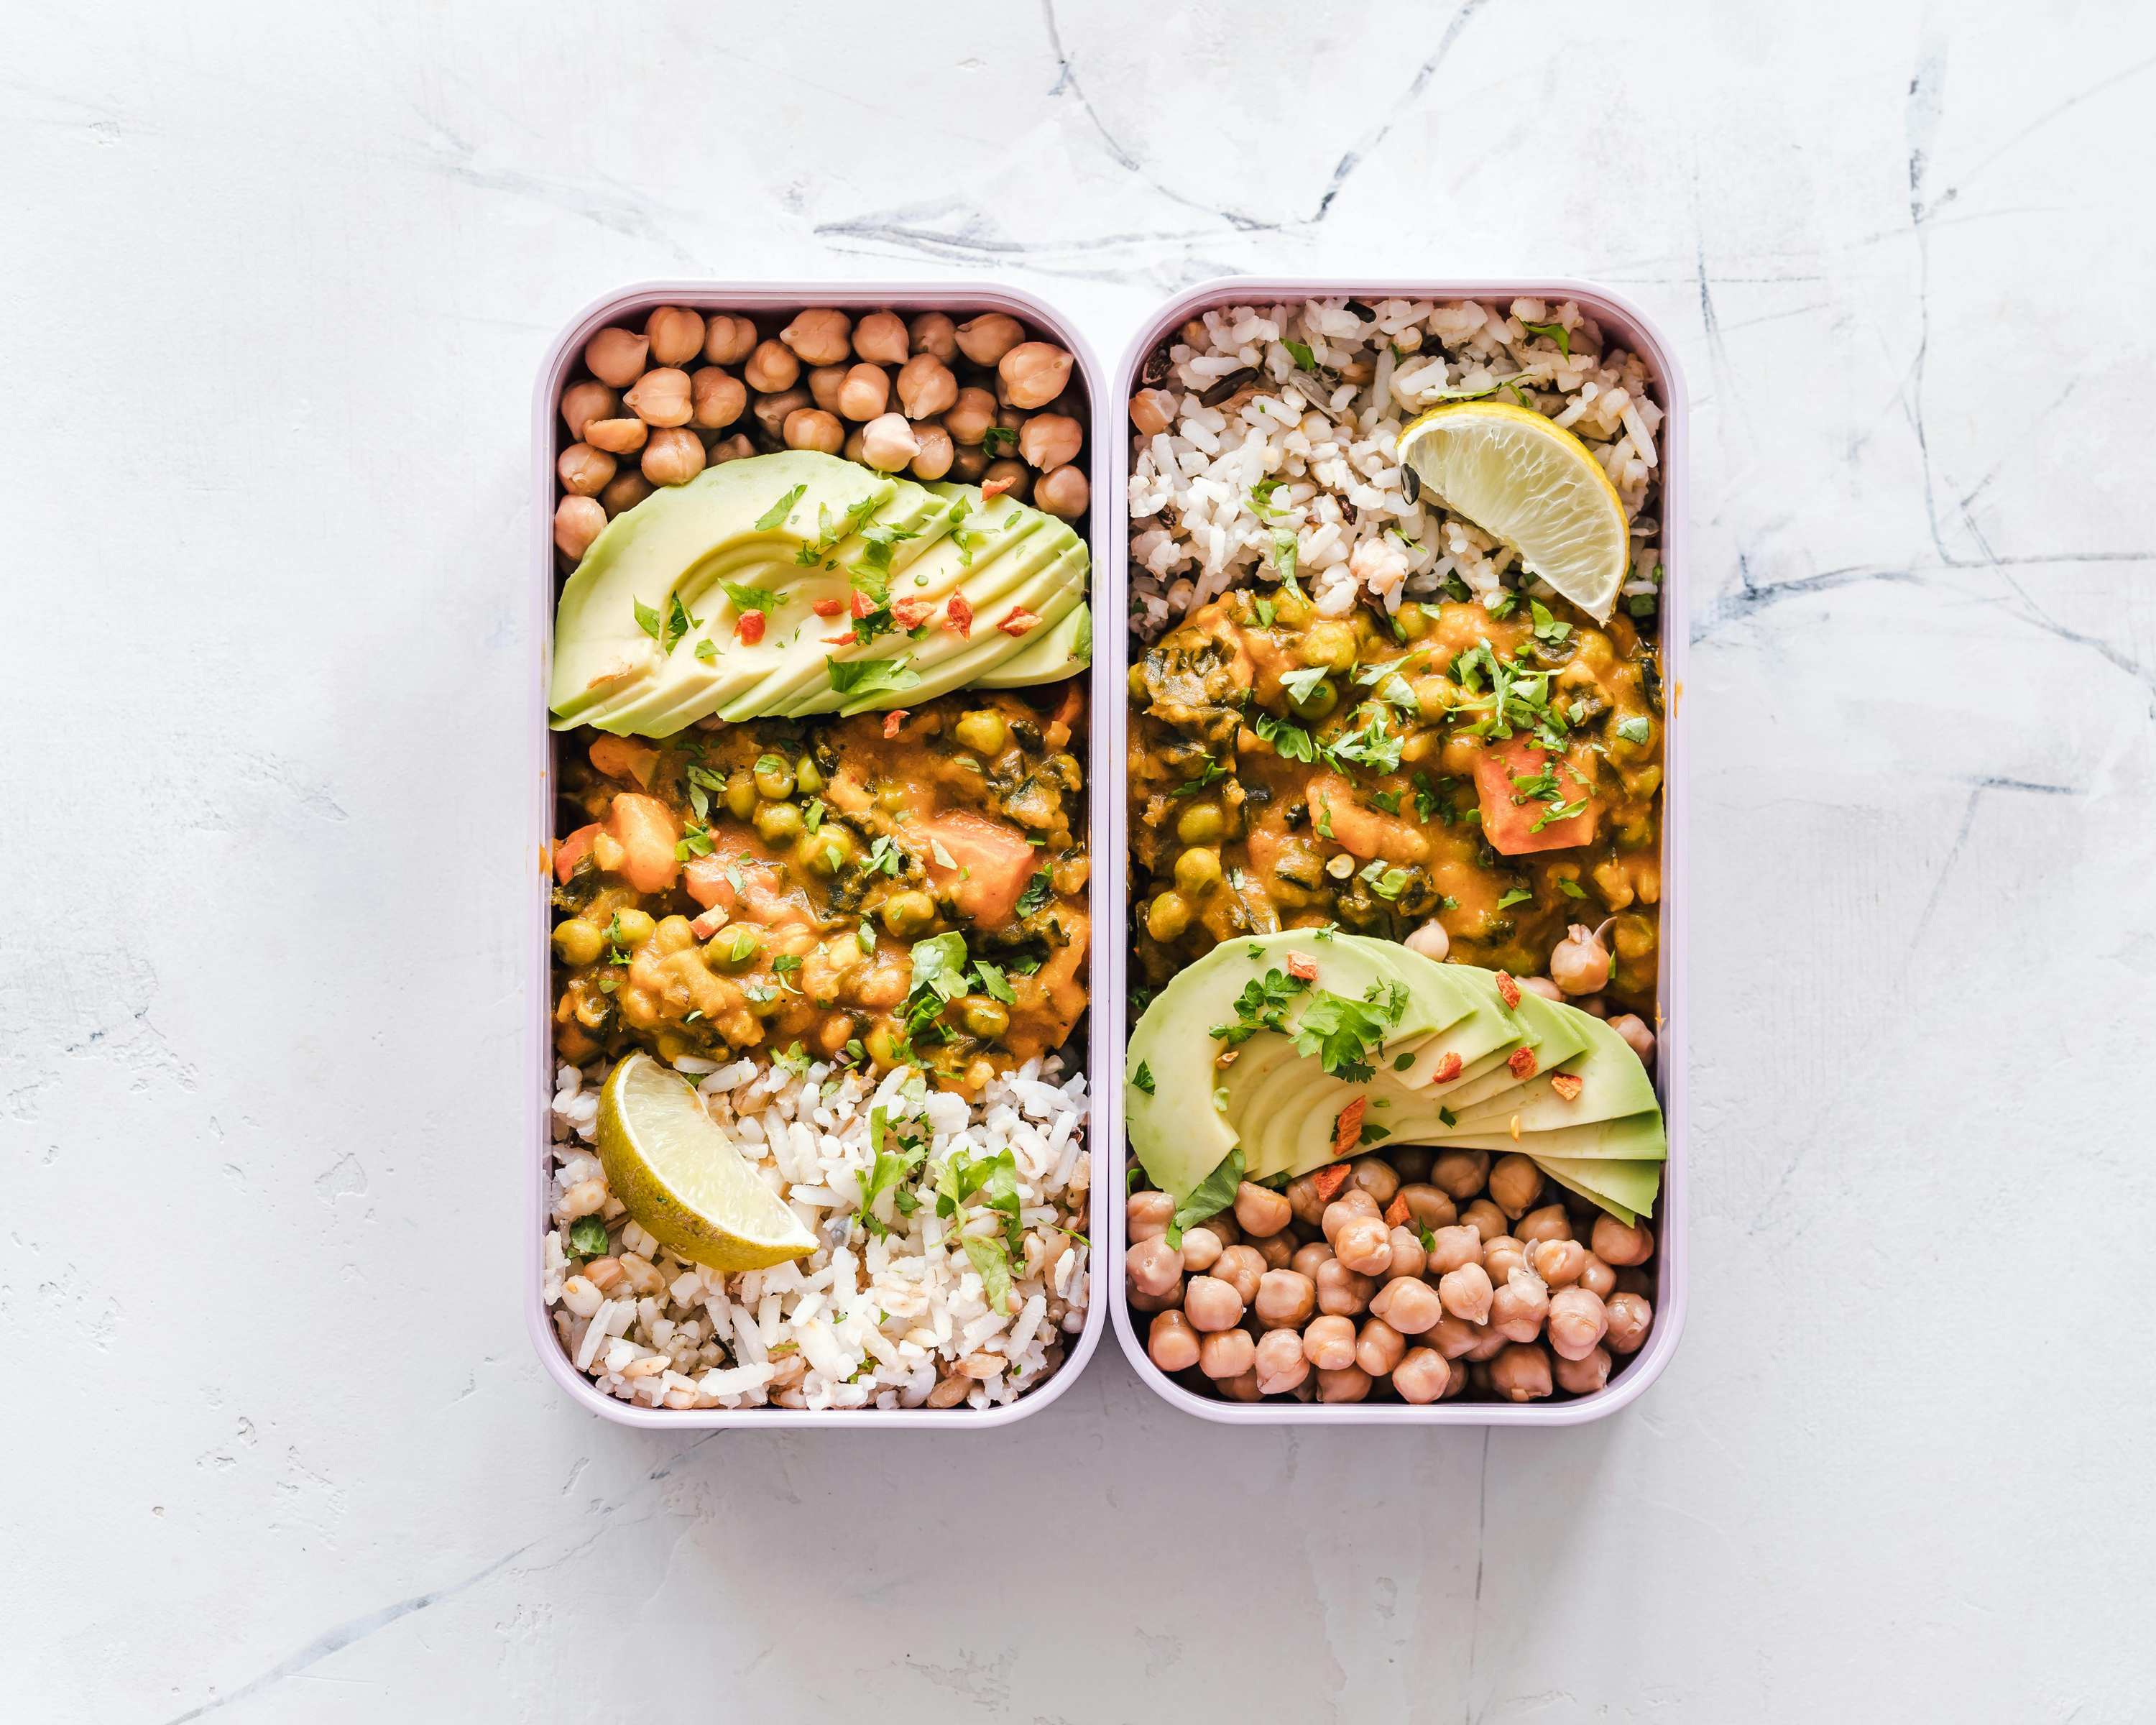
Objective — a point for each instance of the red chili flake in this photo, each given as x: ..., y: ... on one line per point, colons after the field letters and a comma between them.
x: 750, y: 629
x: 1328, y: 1181
x: 1018, y: 621
x: 1567, y: 1086
x: 861, y: 605
x: 843, y: 640
x: 1227, y: 1058
x: 1522, y: 1062
x: 1448, y: 1069
x: 958, y: 616
x: 893, y: 720
x: 1302, y: 964
x: 1396, y: 1212
x: 996, y: 488
x: 1348, y: 1129
x: 911, y: 613
x: 828, y: 607
x: 1508, y: 991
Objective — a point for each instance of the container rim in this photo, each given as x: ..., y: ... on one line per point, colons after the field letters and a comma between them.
x: 1103, y: 1055
x: 1642, y: 335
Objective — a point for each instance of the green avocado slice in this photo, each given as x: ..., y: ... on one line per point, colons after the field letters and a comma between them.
x: 1612, y: 1084
x: 1626, y: 1189
x: 1052, y: 655
x: 1484, y: 1042
x: 1636, y: 1138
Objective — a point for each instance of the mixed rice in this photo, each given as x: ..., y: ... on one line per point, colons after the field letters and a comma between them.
x: 1274, y: 450
x: 890, y: 1311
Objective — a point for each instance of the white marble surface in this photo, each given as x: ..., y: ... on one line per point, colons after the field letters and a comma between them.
x: 276, y: 282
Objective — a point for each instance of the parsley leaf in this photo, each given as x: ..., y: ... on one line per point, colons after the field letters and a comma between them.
x: 678, y: 623
x: 752, y: 598
x: 1341, y: 1032
x: 988, y: 1261
x: 998, y: 440
x: 648, y: 620
x: 779, y: 511
x: 708, y: 649
x: 1517, y: 896
x: 1569, y: 888
x: 1556, y: 331
x: 1036, y: 892
x: 1300, y: 352
x: 1300, y: 685
x: 939, y: 965
x: 1389, y: 801
x: 860, y: 677
x: 1633, y: 730
x: 1214, y: 1194
x: 993, y: 983
x: 1143, y: 1078
x: 587, y: 1237
x: 1264, y: 607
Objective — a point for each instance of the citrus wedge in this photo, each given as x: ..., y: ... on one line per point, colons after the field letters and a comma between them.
x: 681, y: 1177
x: 1533, y: 485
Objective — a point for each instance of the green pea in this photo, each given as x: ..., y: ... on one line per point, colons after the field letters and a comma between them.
x: 734, y: 948
x: 905, y: 914
x: 1201, y: 824
x: 1196, y: 872
x: 1318, y: 703
x: 578, y: 941
x: 1411, y: 622
x: 741, y: 793
x: 881, y: 1049
x: 774, y: 777
x: 1434, y: 696
x: 633, y: 928
x: 983, y: 730
x: 984, y: 1018
x: 807, y: 779
x: 826, y: 850
x: 778, y: 823
x: 1330, y: 643
x: 1167, y: 918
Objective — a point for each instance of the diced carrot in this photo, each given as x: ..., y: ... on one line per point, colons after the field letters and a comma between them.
x: 958, y: 616
x: 1328, y: 1180
x: 710, y: 923
x: 749, y: 630
x: 573, y: 850
x: 644, y: 828
x: 990, y: 863
x: 1509, y: 826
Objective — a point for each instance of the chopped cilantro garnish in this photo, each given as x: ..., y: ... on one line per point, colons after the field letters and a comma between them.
x: 1570, y: 888
x: 1036, y: 892
x: 993, y: 983
x: 859, y: 677
x: 1213, y: 1195
x: 587, y: 1237
x: 708, y: 649
x: 779, y: 511
x: 752, y: 598
x: 1342, y: 1032
x: 1556, y: 331
x: 1636, y: 729
x: 1300, y: 352
x: 1143, y: 1078
x: 1516, y: 896
x: 648, y: 620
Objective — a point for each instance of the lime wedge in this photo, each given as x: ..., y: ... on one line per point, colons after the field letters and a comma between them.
x: 1532, y: 484
x: 681, y: 1177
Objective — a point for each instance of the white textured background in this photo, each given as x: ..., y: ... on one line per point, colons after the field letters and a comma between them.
x: 274, y: 282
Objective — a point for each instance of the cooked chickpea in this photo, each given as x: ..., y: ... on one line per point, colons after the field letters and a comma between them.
x: 933, y: 332
x: 1241, y: 1268
x: 812, y: 428
x: 1452, y: 1249
x: 1196, y: 872
x: 821, y: 337
x: 1617, y: 1245
x: 1515, y: 1183
x: 617, y: 437
x: 926, y: 387
x: 1201, y: 1248
x: 1558, y: 1262
x: 1260, y: 1210
x: 772, y: 368
x: 1342, y: 1292
x: 1422, y: 1375
x: 970, y: 415
x: 578, y: 521
x: 986, y: 339
x: 1597, y: 1277
x: 1171, y: 1343
x: 1209, y: 1303
x: 1633, y: 1030
x: 1409, y: 1304
x: 1584, y: 1377
x: 1502, y: 1257
x: 660, y: 397
x: 1350, y: 1384
x: 1629, y: 1318
x: 1365, y: 1246
x: 1303, y: 1199
x: 1580, y: 963
x: 1034, y: 373
x: 1520, y: 1373
x: 1374, y: 1175
x: 1167, y: 917
x: 969, y: 466
x: 825, y: 383
x: 863, y: 393
x: 673, y: 457
x: 1408, y: 1258
x: 1307, y: 1259
x: 1015, y: 477
x: 1284, y: 1299
x: 1279, y: 1362
x: 880, y: 339
x: 627, y: 490
x: 728, y: 340
x: 1550, y: 1222
x: 1278, y: 1249
x: 1459, y: 1174
x: 1577, y: 1321
x: 1048, y: 441
x: 585, y: 402
x: 1379, y: 1347
x: 888, y: 443
x: 1430, y: 940
x: 1454, y: 1337
x: 1427, y: 1206
x: 1064, y: 493
x: 616, y: 357
x: 1328, y: 1342
x: 1172, y: 1301
x: 1466, y: 1292
x: 772, y: 411
x: 1484, y: 1218
x: 1226, y: 1354
x: 1518, y: 1307
x: 716, y: 399
x: 1153, y: 411
x: 932, y: 451
x: 1152, y: 1267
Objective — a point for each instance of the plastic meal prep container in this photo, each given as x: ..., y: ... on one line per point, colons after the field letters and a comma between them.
x: 1099, y: 1042
x: 1631, y: 328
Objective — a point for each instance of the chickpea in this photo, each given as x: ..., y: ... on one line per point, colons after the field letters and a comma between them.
x: 616, y: 357
x: 1279, y: 1362
x: 1276, y: 1249
x: 578, y: 941
x: 1015, y: 477
x: 1365, y: 1246
x: 1380, y: 1347
x: 1558, y: 1262
x: 1201, y: 824
x: 1502, y: 1257
x: 1459, y: 1174
x: 907, y: 914
x: 933, y: 332
x: 1597, y: 1277
x: 986, y: 339
x: 1466, y: 1292
x: 932, y: 451
x: 1520, y: 1373
x: 1408, y: 1258
x: 1242, y: 1269
x: 825, y: 383
x: 617, y: 437
x: 1409, y: 1304
x: 732, y: 448
x: 1577, y: 1321
x: 627, y: 490
x: 1342, y: 1292
x: 1452, y: 1249
x: 880, y: 339
x: 1153, y: 411
x: 1422, y: 1375
x: 772, y: 412
x: 1518, y: 1308
x: 1064, y: 493
x: 982, y: 730
x: 1629, y: 1318
x: 660, y: 397
x: 1328, y: 1342
x: 1351, y: 1203
x: 1307, y: 1259
x: 1430, y: 940
x: 1635, y: 1031
x: 1616, y: 1244
x: 583, y: 470
x: 1515, y: 1183
x: 1411, y: 1162
x: 1332, y: 644
x: 1201, y: 1248
x: 1167, y: 917
x: 1196, y: 872
x: 585, y: 402
x: 812, y: 428
x: 1427, y: 1206
x: 771, y: 368
x: 1172, y: 1301
x: 820, y: 337
x: 1171, y: 1343
x: 1035, y: 373
x: 926, y: 387
x: 1153, y: 1265
x: 1260, y: 1210
x: 673, y: 457
x: 1550, y: 1222
x: 1146, y: 1214
x: 1454, y: 1338
x: 1484, y: 1218
x: 1209, y: 1303
x: 1374, y: 1175
x: 578, y: 521
x: 863, y: 393
x: 856, y: 448
x: 1048, y: 441
x: 1350, y: 1384
x: 1226, y: 1354
x: 988, y: 1019
x: 1285, y: 1298
x: 970, y: 415
x: 969, y: 466
x: 888, y: 443
x: 1584, y: 1377
x: 1303, y: 1199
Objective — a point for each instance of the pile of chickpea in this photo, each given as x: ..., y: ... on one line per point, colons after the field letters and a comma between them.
x: 1427, y: 1273
x: 979, y: 401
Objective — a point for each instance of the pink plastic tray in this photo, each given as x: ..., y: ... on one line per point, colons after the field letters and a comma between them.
x: 1112, y: 661
x: 1105, y: 1041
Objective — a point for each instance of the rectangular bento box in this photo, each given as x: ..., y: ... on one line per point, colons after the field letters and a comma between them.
x: 1113, y: 651
x: 1097, y: 1045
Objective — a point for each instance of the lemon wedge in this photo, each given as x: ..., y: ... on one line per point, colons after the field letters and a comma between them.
x: 682, y: 1180
x: 1532, y: 484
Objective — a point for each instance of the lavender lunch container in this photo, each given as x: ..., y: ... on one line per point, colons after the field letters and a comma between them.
x: 1112, y: 663
x: 1102, y: 1051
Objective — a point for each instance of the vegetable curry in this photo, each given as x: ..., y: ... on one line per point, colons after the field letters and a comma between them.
x: 904, y: 888
x: 1498, y: 773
